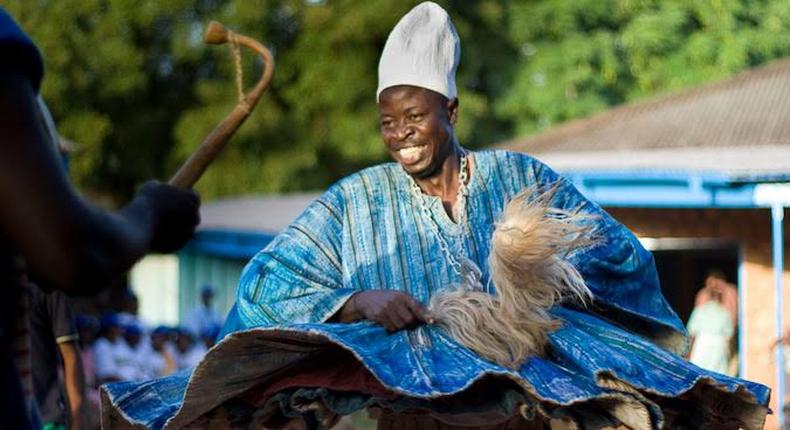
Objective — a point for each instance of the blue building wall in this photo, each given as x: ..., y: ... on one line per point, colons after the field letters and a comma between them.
x: 216, y: 258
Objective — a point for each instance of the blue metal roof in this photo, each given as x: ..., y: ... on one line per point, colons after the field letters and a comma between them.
x: 642, y: 189
x: 232, y: 244
x: 665, y: 189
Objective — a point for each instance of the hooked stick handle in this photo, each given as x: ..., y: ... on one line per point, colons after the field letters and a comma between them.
x: 201, y: 158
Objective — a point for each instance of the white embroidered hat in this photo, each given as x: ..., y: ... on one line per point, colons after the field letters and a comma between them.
x: 422, y: 50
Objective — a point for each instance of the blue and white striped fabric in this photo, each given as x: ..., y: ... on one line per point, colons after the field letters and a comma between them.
x: 368, y: 232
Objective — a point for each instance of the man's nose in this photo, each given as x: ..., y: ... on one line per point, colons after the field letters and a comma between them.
x: 404, y: 131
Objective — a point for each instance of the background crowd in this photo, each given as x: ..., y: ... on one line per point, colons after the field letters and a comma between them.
x: 94, y: 349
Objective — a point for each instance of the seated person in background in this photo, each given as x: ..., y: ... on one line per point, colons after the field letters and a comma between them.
x: 159, y: 359
x: 188, y: 351
x: 114, y: 357
x: 138, y: 344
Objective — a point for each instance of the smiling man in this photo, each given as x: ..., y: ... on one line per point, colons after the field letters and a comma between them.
x: 417, y: 127
x: 331, y: 316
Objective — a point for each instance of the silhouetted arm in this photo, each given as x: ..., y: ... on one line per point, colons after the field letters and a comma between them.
x: 66, y: 241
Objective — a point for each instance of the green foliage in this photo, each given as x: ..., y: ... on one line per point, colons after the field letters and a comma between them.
x: 114, y: 83
x: 132, y: 84
x: 580, y: 56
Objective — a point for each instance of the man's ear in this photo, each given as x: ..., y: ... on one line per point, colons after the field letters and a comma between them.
x: 452, y: 110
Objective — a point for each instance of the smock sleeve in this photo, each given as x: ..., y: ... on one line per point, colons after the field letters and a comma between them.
x: 297, y: 278
x: 619, y: 271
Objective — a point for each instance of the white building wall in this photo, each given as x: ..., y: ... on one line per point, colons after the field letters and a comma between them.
x: 155, y: 281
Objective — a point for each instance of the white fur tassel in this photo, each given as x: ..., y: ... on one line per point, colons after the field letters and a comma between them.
x: 531, y: 273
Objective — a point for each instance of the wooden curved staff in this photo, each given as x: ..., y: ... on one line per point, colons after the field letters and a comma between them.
x: 196, y: 164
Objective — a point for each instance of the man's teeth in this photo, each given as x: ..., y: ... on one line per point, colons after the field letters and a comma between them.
x: 410, y: 152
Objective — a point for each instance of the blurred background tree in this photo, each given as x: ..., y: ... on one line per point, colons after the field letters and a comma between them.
x: 131, y: 83
x: 582, y: 56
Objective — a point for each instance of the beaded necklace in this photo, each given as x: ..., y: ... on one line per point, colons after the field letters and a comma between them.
x: 465, y: 268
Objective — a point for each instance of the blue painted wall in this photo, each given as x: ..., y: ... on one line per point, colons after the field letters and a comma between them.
x: 215, y: 257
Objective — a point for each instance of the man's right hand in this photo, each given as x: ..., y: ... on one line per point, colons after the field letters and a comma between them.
x: 395, y: 310
x: 171, y: 214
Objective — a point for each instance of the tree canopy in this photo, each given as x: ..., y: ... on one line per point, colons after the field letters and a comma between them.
x: 131, y: 83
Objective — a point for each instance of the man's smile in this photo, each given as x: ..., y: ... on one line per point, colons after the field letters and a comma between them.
x: 411, y: 154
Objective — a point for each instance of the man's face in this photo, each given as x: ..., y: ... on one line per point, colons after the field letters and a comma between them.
x: 158, y: 341
x: 417, y: 127
x: 132, y: 339
x: 184, y: 342
x: 114, y: 332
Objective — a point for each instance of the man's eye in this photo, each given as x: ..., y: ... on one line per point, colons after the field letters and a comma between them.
x: 415, y: 116
x: 386, y: 124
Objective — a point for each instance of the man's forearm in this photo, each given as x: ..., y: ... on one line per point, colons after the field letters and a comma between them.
x: 74, y: 379
x: 349, y: 311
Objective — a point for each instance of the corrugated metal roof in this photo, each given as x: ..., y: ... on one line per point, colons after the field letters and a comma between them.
x: 759, y: 163
x: 265, y: 214
x: 739, y: 126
